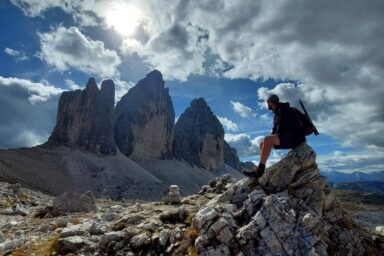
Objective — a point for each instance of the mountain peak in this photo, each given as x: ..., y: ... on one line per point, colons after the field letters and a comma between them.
x: 199, y: 136
x: 199, y: 103
x: 84, y: 118
x: 91, y: 84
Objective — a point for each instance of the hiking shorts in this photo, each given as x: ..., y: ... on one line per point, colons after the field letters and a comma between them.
x: 290, y: 140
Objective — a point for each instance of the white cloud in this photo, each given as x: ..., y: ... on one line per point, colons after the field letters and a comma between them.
x: 244, y: 144
x: 359, y: 161
x: 72, y: 85
x: 66, y: 48
x: 333, y: 50
x: 29, y: 109
x: 242, y: 110
x: 37, y: 92
x: 18, y: 55
x: 121, y: 88
x: 228, y: 124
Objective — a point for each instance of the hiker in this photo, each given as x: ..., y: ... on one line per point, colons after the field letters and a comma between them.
x: 286, y: 133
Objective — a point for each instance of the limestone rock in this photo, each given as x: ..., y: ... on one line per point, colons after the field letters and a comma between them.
x: 69, y: 202
x: 97, y: 229
x: 296, y: 161
x: 70, y: 244
x: 75, y: 230
x: 84, y: 118
x: 10, y: 244
x: 140, y: 240
x: 288, y: 213
x: 144, y: 120
x: 230, y: 157
x: 112, y: 236
x: 199, y: 137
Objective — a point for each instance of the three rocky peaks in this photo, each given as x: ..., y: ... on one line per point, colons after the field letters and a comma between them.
x: 141, y: 125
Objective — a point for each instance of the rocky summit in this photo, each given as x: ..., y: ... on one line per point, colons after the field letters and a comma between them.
x: 144, y: 120
x: 84, y: 118
x: 199, y: 136
x: 289, y: 211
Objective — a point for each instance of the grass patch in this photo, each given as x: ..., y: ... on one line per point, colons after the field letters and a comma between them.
x: 192, y: 233
x: 8, y: 202
x: 192, y: 251
x: 40, y: 248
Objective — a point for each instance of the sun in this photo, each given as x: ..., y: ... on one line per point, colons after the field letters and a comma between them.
x: 124, y: 19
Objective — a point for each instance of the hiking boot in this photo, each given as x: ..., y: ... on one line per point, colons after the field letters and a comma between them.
x: 253, y: 174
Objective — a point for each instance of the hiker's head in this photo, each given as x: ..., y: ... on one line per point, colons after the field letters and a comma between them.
x: 272, y: 102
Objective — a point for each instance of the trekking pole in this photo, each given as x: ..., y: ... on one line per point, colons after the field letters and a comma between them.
x: 309, y: 119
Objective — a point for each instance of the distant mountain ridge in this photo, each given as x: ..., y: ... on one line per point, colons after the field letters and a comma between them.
x: 335, y: 176
x: 376, y: 187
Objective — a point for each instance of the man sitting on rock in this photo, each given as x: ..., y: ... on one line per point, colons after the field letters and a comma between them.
x: 286, y: 133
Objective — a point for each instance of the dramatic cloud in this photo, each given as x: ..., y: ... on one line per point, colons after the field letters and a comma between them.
x: 244, y: 144
x: 242, y: 110
x: 37, y: 92
x: 333, y: 50
x: 29, y: 110
x: 66, y: 48
x: 18, y: 55
x: 228, y: 124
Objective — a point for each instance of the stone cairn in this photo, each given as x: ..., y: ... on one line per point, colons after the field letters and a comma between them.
x: 174, y: 196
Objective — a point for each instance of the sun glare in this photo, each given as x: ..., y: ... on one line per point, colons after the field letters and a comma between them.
x: 124, y: 19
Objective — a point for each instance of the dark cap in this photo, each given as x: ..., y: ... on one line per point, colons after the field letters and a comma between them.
x: 273, y: 98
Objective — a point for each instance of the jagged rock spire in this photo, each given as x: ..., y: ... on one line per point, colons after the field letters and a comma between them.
x: 84, y: 118
x: 199, y: 136
x: 144, y: 120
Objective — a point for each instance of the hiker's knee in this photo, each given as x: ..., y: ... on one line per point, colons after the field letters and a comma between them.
x: 271, y: 140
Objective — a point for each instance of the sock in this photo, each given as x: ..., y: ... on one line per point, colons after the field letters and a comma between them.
x: 261, y: 167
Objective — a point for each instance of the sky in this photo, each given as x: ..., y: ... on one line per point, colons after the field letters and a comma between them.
x: 232, y: 53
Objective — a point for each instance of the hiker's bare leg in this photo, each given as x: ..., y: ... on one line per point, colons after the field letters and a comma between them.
x: 267, y: 144
x: 260, y: 149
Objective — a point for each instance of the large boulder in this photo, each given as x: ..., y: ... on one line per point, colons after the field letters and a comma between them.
x: 291, y: 212
x: 144, y: 120
x: 84, y: 118
x: 199, y: 137
x: 70, y: 202
x: 280, y: 175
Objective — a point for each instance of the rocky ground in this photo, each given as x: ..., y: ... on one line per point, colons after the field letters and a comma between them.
x: 297, y: 215
x: 366, y: 209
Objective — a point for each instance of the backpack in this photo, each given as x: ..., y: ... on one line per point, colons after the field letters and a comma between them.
x: 304, y: 123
